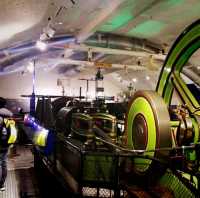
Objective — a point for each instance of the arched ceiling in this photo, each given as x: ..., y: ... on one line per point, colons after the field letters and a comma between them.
x: 133, y: 34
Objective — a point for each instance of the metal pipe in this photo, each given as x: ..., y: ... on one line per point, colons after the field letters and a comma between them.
x: 123, y: 43
x: 117, y: 45
x: 107, y: 50
x: 142, y: 151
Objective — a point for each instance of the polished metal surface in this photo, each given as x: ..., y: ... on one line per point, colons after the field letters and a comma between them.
x: 162, y: 118
x: 140, y: 132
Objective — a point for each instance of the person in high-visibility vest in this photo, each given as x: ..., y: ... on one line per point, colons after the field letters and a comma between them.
x: 8, y: 135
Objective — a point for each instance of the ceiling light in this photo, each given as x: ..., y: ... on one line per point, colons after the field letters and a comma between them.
x: 43, y: 37
x: 30, y: 67
x: 147, y: 78
x: 49, y: 31
x: 60, y: 23
x: 41, y: 45
x: 134, y: 79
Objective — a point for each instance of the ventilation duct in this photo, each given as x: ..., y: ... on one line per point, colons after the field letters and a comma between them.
x: 122, y: 42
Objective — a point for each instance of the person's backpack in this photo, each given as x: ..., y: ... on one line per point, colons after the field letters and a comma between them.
x: 8, y: 133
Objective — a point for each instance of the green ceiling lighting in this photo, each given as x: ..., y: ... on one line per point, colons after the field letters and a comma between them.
x: 118, y: 20
x: 171, y: 3
x: 147, y: 29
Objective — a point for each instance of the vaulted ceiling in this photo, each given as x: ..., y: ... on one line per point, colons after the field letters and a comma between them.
x: 126, y: 35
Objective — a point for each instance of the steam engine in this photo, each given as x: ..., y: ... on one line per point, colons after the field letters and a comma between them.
x: 154, y: 149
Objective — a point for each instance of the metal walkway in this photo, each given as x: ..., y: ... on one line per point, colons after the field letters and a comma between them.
x: 11, y: 187
x: 23, y: 181
x: 20, y: 182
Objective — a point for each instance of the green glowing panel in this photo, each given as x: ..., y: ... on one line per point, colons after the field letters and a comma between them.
x: 147, y: 29
x: 118, y: 20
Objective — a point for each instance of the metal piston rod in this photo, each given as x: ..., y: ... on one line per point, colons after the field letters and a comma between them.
x: 142, y: 151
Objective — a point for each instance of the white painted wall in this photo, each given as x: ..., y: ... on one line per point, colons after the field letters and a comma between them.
x: 14, y: 85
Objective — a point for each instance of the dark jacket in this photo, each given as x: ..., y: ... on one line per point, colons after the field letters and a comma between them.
x: 4, y: 130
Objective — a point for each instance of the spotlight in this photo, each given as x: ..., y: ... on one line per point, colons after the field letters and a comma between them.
x: 43, y: 37
x: 134, y: 80
x: 147, y: 78
x: 41, y: 45
x: 49, y: 31
x: 30, y: 67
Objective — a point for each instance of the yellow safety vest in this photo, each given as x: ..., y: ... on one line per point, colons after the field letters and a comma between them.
x: 13, y: 131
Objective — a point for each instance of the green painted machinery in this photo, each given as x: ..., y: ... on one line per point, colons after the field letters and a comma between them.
x: 165, y: 130
x: 160, y: 147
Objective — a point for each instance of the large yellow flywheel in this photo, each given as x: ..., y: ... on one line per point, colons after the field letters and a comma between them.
x: 148, y: 128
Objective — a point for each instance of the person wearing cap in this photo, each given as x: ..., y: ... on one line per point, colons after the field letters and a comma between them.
x: 8, y: 136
